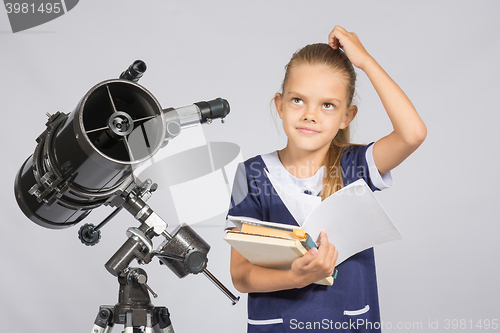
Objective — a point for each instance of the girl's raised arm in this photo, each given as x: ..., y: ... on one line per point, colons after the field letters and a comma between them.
x: 409, y: 129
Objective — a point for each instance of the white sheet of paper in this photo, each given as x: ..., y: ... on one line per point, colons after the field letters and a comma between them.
x: 353, y: 220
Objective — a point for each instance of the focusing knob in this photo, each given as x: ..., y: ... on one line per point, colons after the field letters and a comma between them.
x: 88, y: 235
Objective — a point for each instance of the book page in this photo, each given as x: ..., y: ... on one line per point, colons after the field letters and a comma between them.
x: 266, y: 251
x: 353, y: 220
x: 239, y: 220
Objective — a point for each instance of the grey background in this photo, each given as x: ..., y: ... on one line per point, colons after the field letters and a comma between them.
x: 444, y: 54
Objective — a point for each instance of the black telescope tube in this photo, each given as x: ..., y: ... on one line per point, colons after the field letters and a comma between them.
x: 217, y: 108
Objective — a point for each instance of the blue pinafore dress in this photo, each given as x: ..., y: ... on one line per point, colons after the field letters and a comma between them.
x: 351, y: 303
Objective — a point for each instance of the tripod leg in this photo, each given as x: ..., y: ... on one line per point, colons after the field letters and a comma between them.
x: 104, y: 321
x: 129, y: 326
x: 149, y: 324
x: 108, y: 329
x: 163, y: 319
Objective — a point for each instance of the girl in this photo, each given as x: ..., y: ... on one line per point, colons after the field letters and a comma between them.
x: 316, y: 108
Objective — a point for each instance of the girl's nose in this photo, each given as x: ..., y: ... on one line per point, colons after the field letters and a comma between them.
x: 309, y: 114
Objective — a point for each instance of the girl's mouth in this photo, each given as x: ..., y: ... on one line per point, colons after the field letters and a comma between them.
x: 307, y: 130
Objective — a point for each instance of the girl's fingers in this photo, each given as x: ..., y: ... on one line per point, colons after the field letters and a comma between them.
x: 350, y: 44
x: 338, y: 27
x: 307, y: 258
x: 333, y: 42
x: 329, y: 253
x: 335, y: 257
x: 322, y: 239
x: 333, y: 39
x: 330, y: 257
x: 339, y: 37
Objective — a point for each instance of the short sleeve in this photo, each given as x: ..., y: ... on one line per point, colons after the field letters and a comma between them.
x: 357, y: 163
x: 380, y: 181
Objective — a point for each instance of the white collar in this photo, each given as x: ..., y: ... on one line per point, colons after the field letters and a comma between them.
x: 292, y: 189
x: 274, y: 166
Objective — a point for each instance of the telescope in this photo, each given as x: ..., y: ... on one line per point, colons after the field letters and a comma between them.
x: 86, y: 159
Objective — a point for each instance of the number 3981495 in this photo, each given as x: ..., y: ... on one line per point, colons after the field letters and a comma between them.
x: 25, y: 8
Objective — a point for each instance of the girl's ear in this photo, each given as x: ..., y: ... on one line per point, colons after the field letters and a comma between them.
x: 349, y: 116
x: 278, y: 102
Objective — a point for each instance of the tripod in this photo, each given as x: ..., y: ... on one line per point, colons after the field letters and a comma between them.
x: 184, y: 252
x: 134, y: 309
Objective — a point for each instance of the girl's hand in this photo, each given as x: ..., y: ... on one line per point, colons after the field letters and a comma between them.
x: 350, y: 43
x: 316, y: 264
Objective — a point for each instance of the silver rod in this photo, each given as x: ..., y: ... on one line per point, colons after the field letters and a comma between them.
x: 97, y: 129
x: 219, y: 285
x: 107, y: 219
x: 166, y: 235
x: 146, y: 118
x: 111, y: 98
x: 129, y: 150
x: 150, y: 290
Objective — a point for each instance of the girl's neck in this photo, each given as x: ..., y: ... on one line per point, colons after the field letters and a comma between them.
x: 301, y: 164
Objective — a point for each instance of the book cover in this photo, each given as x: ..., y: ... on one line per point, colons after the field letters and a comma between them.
x: 269, y: 250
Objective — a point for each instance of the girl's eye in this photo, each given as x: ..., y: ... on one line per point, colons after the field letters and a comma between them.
x: 297, y: 101
x: 328, y: 106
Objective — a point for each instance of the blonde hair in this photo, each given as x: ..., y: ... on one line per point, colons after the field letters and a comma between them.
x: 323, y: 54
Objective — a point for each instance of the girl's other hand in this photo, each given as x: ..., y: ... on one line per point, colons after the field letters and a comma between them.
x: 316, y: 264
x: 350, y: 43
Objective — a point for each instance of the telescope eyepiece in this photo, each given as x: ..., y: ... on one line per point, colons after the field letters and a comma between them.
x: 135, y: 71
x: 217, y: 108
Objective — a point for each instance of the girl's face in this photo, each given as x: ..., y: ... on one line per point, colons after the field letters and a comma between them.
x: 314, y: 107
